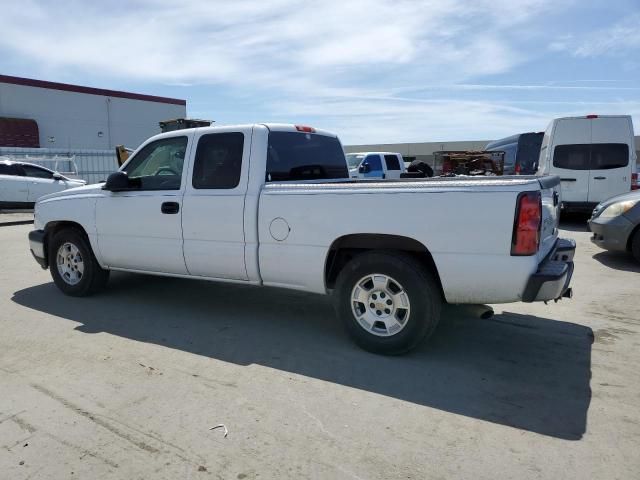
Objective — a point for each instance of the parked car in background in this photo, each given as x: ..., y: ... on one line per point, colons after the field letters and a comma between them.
x: 272, y: 205
x: 21, y: 183
x: 521, y: 152
x: 375, y: 165
x: 594, y: 156
x: 615, y: 224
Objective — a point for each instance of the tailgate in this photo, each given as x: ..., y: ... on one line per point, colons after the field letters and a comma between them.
x: 550, y: 188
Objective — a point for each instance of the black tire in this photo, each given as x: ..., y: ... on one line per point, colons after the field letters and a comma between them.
x: 420, y: 166
x: 93, y: 279
x: 635, y: 245
x: 424, y: 296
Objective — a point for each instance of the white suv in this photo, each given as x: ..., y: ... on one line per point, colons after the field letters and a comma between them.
x: 21, y: 184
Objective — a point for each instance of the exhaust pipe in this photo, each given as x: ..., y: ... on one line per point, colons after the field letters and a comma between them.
x: 471, y: 310
x: 487, y: 314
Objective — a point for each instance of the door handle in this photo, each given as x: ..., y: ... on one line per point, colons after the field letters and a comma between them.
x: 599, y: 178
x: 567, y: 179
x: 170, y: 207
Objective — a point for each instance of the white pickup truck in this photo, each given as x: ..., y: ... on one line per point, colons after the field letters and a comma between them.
x: 270, y: 205
x: 375, y: 165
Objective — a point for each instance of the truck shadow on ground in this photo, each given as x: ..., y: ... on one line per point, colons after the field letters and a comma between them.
x: 618, y: 260
x: 517, y: 370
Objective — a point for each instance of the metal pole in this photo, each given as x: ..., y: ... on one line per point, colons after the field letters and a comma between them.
x: 108, y: 99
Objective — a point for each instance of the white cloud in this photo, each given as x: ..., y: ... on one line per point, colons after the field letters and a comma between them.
x: 398, y: 120
x: 250, y: 42
x: 559, y: 86
x: 393, y: 120
x: 619, y: 39
x: 350, y: 66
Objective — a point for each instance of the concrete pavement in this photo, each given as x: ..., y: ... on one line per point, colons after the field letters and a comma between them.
x: 128, y: 383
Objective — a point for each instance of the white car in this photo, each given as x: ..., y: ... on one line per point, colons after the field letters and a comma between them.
x: 273, y: 205
x: 594, y: 156
x: 375, y: 164
x: 21, y: 184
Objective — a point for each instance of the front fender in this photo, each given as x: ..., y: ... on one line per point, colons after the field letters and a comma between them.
x: 76, y: 211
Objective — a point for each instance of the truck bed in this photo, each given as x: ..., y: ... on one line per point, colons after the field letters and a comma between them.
x: 466, y: 223
x: 510, y: 183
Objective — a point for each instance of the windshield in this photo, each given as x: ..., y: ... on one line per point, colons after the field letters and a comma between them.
x: 354, y: 160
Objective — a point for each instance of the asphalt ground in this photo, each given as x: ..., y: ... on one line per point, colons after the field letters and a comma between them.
x: 128, y: 384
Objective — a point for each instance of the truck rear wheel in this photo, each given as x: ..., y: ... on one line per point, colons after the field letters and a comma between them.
x: 73, y: 266
x: 387, y: 301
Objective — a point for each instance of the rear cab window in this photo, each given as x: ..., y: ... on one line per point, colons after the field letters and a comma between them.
x: 304, y: 156
x: 392, y: 162
x: 218, y: 161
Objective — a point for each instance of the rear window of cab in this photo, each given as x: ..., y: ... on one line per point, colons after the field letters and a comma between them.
x: 304, y: 156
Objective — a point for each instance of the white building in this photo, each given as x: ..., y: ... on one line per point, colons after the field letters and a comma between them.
x: 74, y: 129
x: 76, y: 117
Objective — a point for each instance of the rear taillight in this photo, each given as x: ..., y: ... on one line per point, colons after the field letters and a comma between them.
x: 518, y: 169
x: 634, y: 182
x: 304, y: 128
x: 526, y: 227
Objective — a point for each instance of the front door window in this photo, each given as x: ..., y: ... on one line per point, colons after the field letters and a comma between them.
x: 158, y: 166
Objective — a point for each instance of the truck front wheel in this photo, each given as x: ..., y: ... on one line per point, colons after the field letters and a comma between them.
x: 73, y: 266
x: 388, y: 302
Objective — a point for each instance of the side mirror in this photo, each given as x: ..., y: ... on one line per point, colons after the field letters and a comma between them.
x: 117, y: 182
x: 364, y: 168
x: 57, y: 176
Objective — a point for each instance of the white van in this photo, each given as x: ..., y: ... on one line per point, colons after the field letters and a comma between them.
x: 375, y: 164
x: 594, y: 156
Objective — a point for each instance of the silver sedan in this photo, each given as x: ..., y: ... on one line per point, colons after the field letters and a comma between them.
x: 615, y: 224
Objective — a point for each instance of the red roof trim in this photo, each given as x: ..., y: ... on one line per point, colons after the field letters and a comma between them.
x: 65, y: 87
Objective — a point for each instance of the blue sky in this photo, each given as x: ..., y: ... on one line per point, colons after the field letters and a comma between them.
x: 372, y: 71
